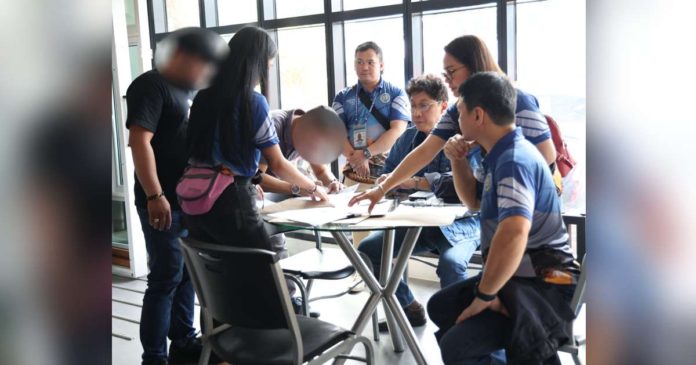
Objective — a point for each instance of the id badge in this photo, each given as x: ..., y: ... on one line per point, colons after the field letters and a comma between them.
x: 359, y: 137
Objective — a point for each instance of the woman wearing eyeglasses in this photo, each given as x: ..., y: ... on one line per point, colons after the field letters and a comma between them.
x: 455, y: 243
x: 464, y: 56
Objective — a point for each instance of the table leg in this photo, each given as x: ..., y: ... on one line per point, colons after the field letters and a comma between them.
x: 369, y: 279
x: 385, y: 270
x: 390, y: 298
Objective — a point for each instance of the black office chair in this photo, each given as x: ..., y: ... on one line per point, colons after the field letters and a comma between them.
x: 244, y: 289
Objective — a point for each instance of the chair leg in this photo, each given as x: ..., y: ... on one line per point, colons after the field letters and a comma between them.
x: 309, y: 286
x: 205, y: 353
x: 369, y: 351
x: 576, y: 359
x: 375, y: 325
x: 303, y: 291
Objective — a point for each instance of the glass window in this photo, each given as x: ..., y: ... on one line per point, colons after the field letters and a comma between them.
x: 302, y: 73
x: 119, y: 228
x: 441, y: 28
x: 388, y: 33
x: 551, y: 66
x: 291, y: 8
x: 181, y: 14
x: 360, y: 4
x: 236, y: 11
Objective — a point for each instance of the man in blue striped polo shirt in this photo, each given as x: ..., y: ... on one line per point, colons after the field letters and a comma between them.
x: 520, y: 301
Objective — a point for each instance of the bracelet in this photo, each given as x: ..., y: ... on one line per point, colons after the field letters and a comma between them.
x: 382, y: 189
x: 483, y: 296
x: 155, y: 196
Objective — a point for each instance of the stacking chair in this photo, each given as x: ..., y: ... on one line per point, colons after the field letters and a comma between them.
x: 576, y: 341
x: 247, y: 314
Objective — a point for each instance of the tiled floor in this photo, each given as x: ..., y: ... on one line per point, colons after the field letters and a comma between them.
x: 127, y: 298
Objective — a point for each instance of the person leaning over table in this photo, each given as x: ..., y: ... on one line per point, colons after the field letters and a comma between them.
x: 315, y: 126
x: 376, y: 113
x: 285, y: 122
x: 520, y: 302
x: 454, y: 243
x: 465, y: 56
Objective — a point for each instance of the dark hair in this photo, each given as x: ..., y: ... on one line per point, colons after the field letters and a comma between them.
x: 228, y: 101
x: 471, y: 52
x: 201, y: 42
x: 429, y: 84
x: 493, y: 93
x: 369, y: 45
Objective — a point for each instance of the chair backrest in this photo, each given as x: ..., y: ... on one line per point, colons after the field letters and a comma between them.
x: 579, y: 295
x: 242, y: 287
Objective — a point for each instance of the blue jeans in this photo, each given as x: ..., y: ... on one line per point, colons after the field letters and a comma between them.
x: 454, y: 259
x: 169, y: 297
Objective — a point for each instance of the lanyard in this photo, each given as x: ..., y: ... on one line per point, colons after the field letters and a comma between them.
x: 357, y: 101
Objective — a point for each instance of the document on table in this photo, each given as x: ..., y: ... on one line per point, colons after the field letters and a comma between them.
x: 323, y: 215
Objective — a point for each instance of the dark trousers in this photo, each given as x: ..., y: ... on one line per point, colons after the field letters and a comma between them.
x: 476, y: 341
x: 234, y: 220
x: 169, y: 297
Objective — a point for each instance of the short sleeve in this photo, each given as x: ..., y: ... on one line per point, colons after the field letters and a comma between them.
x: 265, y: 135
x: 448, y: 125
x: 145, y: 101
x: 515, y: 190
x: 337, y: 106
x: 530, y: 119
x: 400, y: 107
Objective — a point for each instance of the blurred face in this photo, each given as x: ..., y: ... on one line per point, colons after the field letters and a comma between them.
x: 368, y: 67
x: 315, y: 144
x: 425, y: 111
x: 454, y: 73
x: 192, y: 70
x: 470, y: 122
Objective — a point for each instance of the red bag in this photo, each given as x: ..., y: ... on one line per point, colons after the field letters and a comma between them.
x: 564, y: 160
x: 201, y: 186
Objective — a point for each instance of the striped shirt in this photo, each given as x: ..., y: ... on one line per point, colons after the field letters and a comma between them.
x: 518, y: 182
x: 389, y: 100
x: 264, y: 136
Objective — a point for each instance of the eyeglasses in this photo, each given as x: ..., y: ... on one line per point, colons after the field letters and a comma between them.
x: 422, y: 108
x: 448, y: 74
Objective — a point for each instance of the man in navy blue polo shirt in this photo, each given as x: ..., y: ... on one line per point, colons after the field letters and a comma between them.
x: 520, y: 302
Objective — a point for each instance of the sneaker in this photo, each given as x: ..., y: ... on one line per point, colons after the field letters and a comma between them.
x: 297, y: 307
x: 189, y: 353
x: 356, y: 284
x: 415, y: 313
x: 296, y: 304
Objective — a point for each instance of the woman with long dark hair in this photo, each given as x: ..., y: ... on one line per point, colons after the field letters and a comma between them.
x: 229, y: 129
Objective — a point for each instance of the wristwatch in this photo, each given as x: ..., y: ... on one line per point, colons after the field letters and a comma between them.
x: 367, y: 153
x: 482, y: 296
x: 295, y: 190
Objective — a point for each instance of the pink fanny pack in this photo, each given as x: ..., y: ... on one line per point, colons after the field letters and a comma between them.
x: 201, y: 186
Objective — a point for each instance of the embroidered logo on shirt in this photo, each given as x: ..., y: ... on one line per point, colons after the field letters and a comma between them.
x: 384, y: 98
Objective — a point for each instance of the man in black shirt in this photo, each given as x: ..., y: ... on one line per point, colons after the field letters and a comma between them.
x: 158, y: 109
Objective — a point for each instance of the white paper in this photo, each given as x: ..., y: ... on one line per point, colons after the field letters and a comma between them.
x: 313, y: 216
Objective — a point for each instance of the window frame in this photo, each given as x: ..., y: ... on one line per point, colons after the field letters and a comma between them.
x: 333, y: 19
